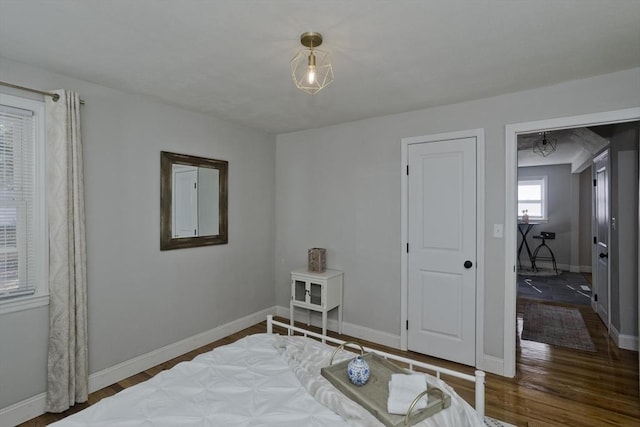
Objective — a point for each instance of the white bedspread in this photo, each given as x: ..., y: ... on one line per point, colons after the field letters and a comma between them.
x: 242, y: 384
x: 260, y: 380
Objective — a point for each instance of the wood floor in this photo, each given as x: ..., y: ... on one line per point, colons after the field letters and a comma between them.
x: 554, y: 386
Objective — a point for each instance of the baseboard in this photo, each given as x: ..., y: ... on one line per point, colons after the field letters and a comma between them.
x: 586, y: 269
x: 22, y: 411
x: 362, y: 332
x: 384, y: 338
x: 34, y: 406
x: 493, y: 365
x: 561, y: 267
x: 626, y: 342
x: 138, y: 364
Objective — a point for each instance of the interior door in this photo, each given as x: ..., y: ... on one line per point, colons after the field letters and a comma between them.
x: 442, y: 249
x: 601, y: 241
x: 185, y: 201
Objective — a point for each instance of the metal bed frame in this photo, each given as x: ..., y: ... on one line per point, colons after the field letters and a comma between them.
x: 478, y: 379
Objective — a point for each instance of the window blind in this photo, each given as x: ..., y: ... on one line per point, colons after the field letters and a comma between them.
x: 17, y: 199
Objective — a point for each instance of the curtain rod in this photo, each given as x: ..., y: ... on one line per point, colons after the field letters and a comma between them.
x: 55, y: 96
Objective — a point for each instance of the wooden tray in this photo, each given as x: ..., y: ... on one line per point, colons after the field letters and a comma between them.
x: 374, y: 394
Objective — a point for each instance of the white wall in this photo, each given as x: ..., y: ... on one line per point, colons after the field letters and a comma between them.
x: 141, y: 299
x: 339, y: 187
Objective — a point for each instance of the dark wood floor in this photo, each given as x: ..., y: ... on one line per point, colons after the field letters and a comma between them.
x: 554, y: 386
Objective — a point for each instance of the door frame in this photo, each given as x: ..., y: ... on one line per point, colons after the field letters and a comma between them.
x: 594, y: 257
x: 478, y: 134
x: 511, y: 205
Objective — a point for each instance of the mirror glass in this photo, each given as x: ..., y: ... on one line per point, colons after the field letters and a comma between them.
x: 193, y: 201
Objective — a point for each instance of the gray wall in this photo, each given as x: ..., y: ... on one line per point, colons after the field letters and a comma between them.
x: 623, y: 251
x: 141, y: 299
x: 558, y: 212
x: 336, y: 187
x: 339, y: 187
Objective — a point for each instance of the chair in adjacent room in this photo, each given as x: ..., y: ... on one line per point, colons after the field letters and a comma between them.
x: 548, y: 256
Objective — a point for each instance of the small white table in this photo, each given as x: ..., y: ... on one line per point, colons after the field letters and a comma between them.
x: 317, y: 292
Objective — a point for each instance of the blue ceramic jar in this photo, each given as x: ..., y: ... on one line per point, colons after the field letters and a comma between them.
x: 358, y: 371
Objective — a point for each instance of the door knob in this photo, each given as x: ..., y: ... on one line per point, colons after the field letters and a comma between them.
x: 603, y: 255
x: 468, y: 264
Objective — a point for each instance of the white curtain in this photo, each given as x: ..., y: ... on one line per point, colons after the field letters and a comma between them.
x: 67, y: 365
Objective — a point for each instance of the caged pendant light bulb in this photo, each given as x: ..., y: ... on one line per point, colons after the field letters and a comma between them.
x: 545, y: 146
x: 311, y: 68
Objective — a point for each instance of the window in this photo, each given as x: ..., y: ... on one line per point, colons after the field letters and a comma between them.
x: 532, y: 195
x: 22, y: 225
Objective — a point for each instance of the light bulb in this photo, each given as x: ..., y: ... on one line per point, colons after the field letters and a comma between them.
x: 311, y: 74
x: 311, y: 70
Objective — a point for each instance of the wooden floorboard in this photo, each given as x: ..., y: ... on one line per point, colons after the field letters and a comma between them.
x: 554, y: 386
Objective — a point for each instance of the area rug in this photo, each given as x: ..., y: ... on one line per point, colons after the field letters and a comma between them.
x: 555, y: 325
x: 567, y: 288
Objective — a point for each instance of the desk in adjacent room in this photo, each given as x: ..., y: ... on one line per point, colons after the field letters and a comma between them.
x: 524, y: 228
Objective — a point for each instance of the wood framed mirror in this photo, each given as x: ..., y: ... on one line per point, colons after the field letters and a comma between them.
x: 193, y: 201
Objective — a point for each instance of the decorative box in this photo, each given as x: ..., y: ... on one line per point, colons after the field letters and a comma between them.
x: 317, y: 260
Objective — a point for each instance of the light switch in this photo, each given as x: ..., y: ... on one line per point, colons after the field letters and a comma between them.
x: 498, y: 231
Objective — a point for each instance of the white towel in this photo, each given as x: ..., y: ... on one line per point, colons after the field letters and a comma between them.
x: 403, y: 389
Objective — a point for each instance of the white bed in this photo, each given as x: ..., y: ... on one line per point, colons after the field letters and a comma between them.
x: 260, y: 380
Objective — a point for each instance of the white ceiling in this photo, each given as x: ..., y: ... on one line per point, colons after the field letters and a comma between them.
x: 231, y: 58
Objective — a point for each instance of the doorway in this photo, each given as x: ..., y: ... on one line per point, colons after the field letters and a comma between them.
x: 555, y: 213
x: 512, y: 132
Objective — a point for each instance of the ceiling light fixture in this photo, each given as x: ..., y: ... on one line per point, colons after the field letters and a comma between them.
x: 545, y: 145
x: 311, y: 68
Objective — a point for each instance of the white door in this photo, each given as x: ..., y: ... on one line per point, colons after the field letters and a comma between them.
x: 185, y: 201
x: 442, y: 249
x: 601, y: 241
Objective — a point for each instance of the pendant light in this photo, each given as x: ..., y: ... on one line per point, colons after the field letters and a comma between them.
x: 311, y: 68
x: 545, y: 146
